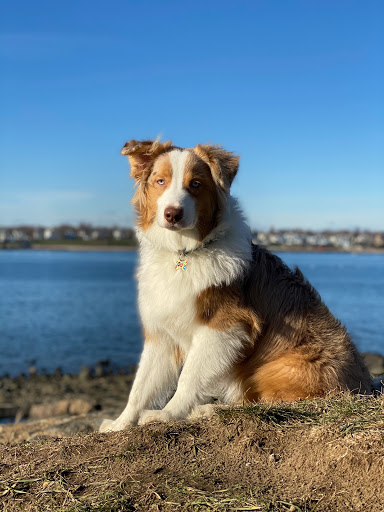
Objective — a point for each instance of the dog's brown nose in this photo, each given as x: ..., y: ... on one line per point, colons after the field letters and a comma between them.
x: 173, y: 214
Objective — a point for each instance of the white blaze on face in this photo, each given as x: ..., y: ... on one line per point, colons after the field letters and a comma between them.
x: 176, y: 195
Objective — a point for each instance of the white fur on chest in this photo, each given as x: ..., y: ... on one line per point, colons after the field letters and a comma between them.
x: 167, y: 297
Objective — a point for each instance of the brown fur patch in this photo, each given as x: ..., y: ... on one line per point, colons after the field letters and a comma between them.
x: 147, y: 203
x: 178, y: 356
x: 289, y: 377
x: 148, y: 337
x: 223, y: 164
x: 223, y: 307
x: 302, y: 350
x: 142, y: 157
x: 206, y: 196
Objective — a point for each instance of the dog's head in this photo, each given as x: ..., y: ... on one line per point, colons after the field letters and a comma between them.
x: 180, y: 190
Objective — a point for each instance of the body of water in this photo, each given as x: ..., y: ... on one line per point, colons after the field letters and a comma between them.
x: 68, y: 309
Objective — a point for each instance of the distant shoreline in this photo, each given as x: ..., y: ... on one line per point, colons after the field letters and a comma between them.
x: 80, y: 247
x: 123, y: 247
x: 272, y: 248
x: 324, y: 250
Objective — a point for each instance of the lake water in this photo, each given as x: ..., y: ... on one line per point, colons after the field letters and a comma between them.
x: 68, y: 309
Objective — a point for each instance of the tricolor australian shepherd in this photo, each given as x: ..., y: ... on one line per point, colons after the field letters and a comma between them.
x: 222, y: 318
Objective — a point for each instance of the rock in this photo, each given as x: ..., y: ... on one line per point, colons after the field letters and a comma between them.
x: 99, y: 371
x: 40, y: 411
x: 8, y: 410
x: 80, y: 406
x: 378, y: 385
x: 102, y: 368
x: 75, y: 406
x: 36, y: 430
x: 374, y: 363
x: 85, y: 373
x: 10, y: 384
x: 58, y: 373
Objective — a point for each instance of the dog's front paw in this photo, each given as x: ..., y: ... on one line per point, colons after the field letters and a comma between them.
x: 203, y: 411
x: 106, y: 426
x: 150, y: 416
x: 111, y: 426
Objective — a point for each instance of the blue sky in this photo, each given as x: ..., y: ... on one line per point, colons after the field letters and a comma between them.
x: 295, y: 87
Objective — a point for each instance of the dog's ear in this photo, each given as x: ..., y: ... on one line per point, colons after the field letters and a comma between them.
x: 223, y: 164
x: 142, y: 155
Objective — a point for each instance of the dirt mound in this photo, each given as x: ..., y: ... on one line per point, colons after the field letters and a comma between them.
x: 318, y: 455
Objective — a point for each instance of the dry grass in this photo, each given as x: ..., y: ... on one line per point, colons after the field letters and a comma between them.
x: 319, y: 455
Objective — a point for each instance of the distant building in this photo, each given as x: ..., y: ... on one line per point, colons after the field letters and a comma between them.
x: 38, y: 233
x: 51, y: 234
x: 340, y: 240
x: 378, y: 240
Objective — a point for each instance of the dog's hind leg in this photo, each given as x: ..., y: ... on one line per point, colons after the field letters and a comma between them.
x: 290, y: 377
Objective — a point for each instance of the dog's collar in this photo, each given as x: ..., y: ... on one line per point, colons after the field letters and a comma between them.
x: 181, y: 263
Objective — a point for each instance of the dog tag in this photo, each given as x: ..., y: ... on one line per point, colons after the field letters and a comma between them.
x: 181, y: 262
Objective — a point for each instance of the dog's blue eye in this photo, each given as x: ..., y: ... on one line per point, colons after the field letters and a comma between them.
x: 161, y: 182
x: 195, y: 184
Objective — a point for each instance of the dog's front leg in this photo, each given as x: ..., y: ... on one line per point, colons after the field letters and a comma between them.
x: 155, y: 379
x: 209, y: 362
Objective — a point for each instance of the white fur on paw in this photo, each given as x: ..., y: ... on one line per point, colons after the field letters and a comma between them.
x: 111, y: 426
x: 203, y: 411
x: 106, y: 426
x: 150, y: 416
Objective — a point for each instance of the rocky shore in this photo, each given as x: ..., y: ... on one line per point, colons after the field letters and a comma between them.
x: 32, y: 406
x: 35, y: 406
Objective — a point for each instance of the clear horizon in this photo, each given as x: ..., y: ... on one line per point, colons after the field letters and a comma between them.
x: 294, y: 88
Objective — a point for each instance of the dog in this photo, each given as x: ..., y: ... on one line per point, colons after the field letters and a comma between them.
x: 222, y: 318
